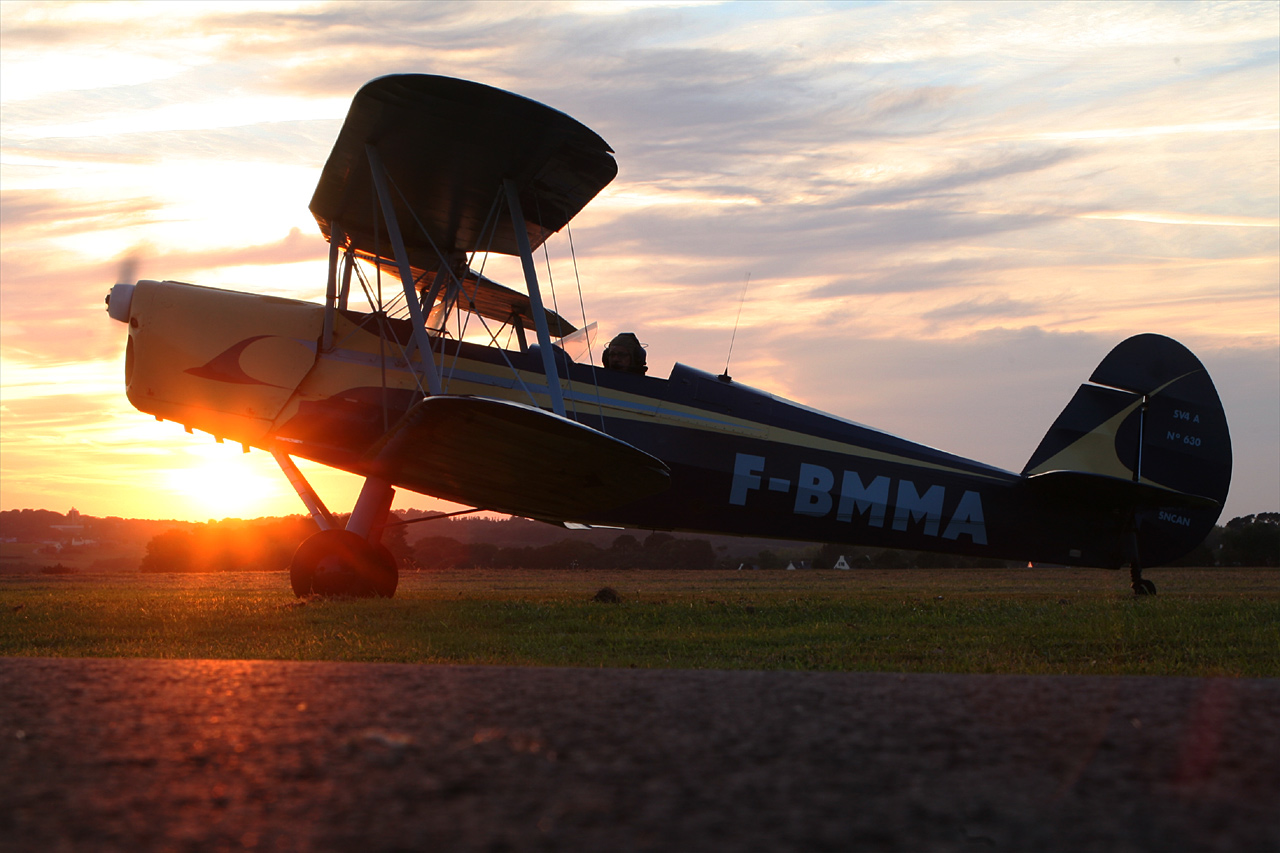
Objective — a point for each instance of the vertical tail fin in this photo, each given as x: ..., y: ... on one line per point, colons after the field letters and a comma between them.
x: 1148, y: 440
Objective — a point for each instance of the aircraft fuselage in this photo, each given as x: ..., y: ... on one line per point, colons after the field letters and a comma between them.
x: 742, y: 461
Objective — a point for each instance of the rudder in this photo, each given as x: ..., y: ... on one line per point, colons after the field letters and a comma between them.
x: 1148, y: 441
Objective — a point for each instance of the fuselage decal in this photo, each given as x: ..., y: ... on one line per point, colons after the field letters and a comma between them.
x: 816, y: 496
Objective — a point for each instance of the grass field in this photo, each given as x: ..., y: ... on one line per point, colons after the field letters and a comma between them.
x: 1203, y: 622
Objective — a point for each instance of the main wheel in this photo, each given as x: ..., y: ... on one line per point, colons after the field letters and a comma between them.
x: 386, y: 573
x: 339, y: 562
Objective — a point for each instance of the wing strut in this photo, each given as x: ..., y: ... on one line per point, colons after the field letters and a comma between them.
x: 336, y: 239
x: 348, y: 265
x: 406, y: 274
x: 371, y: 509
x: 535, y: 297
x: 323, y: 518
x: 335, y: 294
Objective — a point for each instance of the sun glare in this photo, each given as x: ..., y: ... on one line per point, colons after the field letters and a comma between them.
x: 222, y: 482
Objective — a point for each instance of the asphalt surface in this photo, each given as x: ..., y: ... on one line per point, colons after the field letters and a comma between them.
x: 209, y: 755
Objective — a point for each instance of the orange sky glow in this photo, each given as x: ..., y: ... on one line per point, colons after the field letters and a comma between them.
x: 949, y: 212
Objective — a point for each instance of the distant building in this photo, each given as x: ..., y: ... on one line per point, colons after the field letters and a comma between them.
x: 797, y: 564
x: 842, y: 563
x: 72, y: 531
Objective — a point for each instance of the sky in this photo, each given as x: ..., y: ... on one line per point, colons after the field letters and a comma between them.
x: 943, y: 214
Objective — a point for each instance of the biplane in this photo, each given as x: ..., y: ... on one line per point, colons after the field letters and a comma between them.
x: 429, y: 174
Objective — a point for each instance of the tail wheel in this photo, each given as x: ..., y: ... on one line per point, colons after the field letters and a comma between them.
x: 1141, y: 586
x: 339, y: 562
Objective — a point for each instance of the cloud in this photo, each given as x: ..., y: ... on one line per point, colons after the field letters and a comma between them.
x: 909, y: 186
x: 25, y: 273
x: 963, y: 174
x: 906, y: 275
x: 995, y: 306
x: 285, y: 142
x: 293, y: 247
x: 57, y: 315
x: 52, y: 214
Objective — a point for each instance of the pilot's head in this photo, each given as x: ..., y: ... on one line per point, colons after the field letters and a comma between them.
x: 624, y: 353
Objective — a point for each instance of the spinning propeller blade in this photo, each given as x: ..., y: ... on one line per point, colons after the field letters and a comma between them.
x: 121, y: 295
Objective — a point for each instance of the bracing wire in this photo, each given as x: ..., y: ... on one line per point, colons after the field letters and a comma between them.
x: 381, y: 311
x: 439, y: 517
x: 582, y: 308
x: 471, y: 298
x: 382, y: 324
x: 555, y: 306
x: 493, y: 338
x: 742, y: 301
x: 462, y: 324
x: 491, y: 229
x: 384, y: 329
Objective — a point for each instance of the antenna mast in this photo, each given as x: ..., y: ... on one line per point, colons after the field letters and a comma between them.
x: 725, y: 377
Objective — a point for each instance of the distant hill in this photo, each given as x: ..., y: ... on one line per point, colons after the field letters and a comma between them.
x: 42, y: 525
x: 38, y: 539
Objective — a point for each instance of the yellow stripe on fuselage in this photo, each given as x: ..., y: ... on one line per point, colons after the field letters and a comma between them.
x: 358, y: 361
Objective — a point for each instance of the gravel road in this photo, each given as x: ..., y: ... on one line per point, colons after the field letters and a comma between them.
x: 268, y: 755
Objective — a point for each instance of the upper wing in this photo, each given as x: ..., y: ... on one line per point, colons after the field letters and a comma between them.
x: 447, y: 146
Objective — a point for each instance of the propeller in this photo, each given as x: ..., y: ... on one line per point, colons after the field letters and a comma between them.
x: 121, y: 296
x: 128, y: 268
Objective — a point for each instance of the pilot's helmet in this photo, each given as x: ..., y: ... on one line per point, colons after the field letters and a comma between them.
x: 624, y: 352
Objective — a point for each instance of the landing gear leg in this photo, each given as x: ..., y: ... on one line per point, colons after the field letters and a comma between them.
x: 343, y: 562
x: 1141, y: 586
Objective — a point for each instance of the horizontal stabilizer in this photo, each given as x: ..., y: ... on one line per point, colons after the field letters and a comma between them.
x: 1070, y: 488
x: 508, y: 457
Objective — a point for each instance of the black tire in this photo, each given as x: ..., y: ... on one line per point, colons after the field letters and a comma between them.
x: 341, y: 563
x: 300, y: 576
x: 384, y: 574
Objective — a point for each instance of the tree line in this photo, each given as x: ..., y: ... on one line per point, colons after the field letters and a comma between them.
x: 1248, y: 540
x: 268, y: 545
x: 655, y: 551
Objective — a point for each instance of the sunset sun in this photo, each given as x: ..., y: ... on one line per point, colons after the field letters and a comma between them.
x: 222, y: 482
